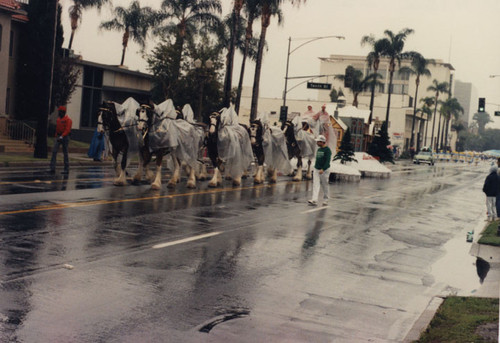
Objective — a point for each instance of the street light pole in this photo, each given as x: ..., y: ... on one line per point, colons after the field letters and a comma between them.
x: 203, y: 69
x: 284, y: 110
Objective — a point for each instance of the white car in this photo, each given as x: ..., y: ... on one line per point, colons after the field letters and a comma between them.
x: 424, y: 156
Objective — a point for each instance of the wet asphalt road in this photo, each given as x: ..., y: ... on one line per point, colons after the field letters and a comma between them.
x: 85, y: 261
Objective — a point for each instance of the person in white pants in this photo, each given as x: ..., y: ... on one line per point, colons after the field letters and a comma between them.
x: 491, y: 189
x: 321, y: 171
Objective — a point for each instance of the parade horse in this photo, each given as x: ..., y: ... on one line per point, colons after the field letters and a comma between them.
x: 228, y: 147
x: 200, y: 136
x: 300, y: 144
x: 120, y: 135
x: 163, y: 134
x: 269, y: 147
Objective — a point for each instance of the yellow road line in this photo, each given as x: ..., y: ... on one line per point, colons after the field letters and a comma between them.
x: 49, y: 181
x: 107, y: 202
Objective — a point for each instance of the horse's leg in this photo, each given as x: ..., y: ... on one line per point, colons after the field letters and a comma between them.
x: 298, y: 176
x: 203, y: 174
x: 176, y: 174
x: 237, y: 181
x: 191, y: 183
x: 272, y: 174
x: 157, y: 181
x: 309, y: 170
x: 140, y: 168
x: 214, y: 182
x: 259, y: 175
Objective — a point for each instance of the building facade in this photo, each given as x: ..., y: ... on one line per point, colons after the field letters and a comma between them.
x: 466, y: 94
x: 98, y: 83
x: 12, y: 18
x: 402, y: 97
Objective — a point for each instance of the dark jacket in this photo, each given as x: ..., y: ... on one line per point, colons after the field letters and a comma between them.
x: 323, y: 158
x: 492, y: 185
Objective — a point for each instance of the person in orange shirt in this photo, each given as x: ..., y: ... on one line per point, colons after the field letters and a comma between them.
x: 63, y: 129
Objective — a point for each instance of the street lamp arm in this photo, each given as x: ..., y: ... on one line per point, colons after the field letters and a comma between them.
x: 314, y: 39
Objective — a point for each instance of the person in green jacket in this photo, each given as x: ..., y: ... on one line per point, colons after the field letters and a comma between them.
x: 321, y: 171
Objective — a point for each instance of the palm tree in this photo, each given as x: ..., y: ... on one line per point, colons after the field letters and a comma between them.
x: 392, y: 48
x: 269, y: 8
x: 373, y: 59
x: 183, y: 18
x: 426, y: 109
x: 252, y: 10
x: 235, y: 23
x: 418, y: 68
x: 134, y: 21
x: 451, y: 108
x: 358, y: 83
x: 75, y: 14
x: 438, y: 87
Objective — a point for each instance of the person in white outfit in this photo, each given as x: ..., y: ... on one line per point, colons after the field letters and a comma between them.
x: 321, y: 171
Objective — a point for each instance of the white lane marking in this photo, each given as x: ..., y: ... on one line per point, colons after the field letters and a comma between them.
x: 185, y: 240
x: 315, y: 209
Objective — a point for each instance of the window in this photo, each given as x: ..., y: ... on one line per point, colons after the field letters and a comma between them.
x: 11, y: 44
x: 91, y: 95
x: 399, y: 89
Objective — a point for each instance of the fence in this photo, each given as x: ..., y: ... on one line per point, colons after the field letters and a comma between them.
x: 17, y: 130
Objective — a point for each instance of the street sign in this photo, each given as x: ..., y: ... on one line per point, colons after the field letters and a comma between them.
x: 315, y: 85
x: 497, y: 113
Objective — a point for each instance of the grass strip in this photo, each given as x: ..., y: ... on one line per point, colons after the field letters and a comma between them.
x: 464, y: 319
x: 489, y: 235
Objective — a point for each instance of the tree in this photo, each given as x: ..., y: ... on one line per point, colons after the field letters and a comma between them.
x: 438, y: 87
x: 418, y: 68
x: 392, y: 47
x: 373, y: 59
x: 379, y: 147
x: 451, y: 109
x: 75, y: 14
x: 269, y: 8
x: 252, y: 10
x: 482, y: 118
x: 235, y: 21
x: 346, y: 149
x: 356, y: 82
x: 183, y: 19
x: 134, y: 21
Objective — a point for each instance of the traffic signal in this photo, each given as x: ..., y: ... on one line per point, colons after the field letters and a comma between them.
x: 481, y: 105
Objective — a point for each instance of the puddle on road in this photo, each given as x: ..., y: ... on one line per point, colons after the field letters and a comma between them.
x: 458, y: 269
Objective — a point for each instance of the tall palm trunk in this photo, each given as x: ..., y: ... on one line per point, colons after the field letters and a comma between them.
x: 438, y: 131
x: 412, y: 140
x: 392, y: 66
x: 266, y: 18
x: 238, y: 4
x: 71, y: 39
x: 434, y: 121
x: 372, y: 96
x: 426, y: 131
x: 126, y: 35
x: 248, y: 37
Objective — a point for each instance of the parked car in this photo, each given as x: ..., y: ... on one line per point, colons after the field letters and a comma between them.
x: 425, y: 156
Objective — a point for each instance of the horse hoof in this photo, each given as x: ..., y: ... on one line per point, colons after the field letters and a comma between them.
x: 191, y: 185
x: 257, y: 182
x: 171, y: 185
x: 212, y: 185
x: 155, y: 187
x: 296, y: 179
x: 272, y: 181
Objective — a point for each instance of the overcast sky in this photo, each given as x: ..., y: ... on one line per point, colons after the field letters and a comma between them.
x: 465, y: 33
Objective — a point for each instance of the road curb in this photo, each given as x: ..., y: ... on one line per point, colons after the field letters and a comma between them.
x: 424, y: 320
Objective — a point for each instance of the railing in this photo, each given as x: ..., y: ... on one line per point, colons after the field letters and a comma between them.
x: 18, y: 130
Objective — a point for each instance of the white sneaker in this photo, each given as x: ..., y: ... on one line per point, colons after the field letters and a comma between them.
x: 312, y: 202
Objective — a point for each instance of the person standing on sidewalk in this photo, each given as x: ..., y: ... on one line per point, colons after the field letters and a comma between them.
x: 63, y: 129
x: 490, y: 188
x: 321, y: 171
x: 497, y: 202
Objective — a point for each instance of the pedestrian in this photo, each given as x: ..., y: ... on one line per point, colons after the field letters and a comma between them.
x: 491, y: 189
x: 96, y: 146
x: 63, y: 130
x: 321, y: 171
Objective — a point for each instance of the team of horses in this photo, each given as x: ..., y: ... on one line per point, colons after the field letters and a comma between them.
x: 150, y: 131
